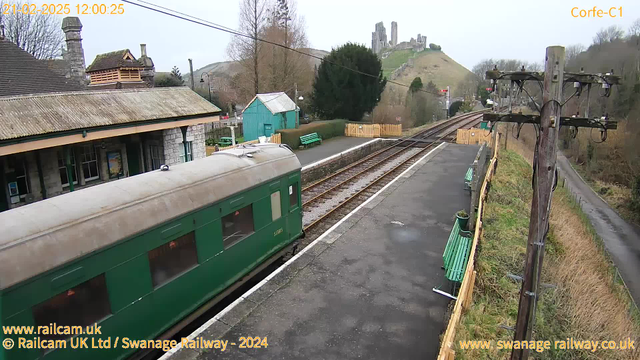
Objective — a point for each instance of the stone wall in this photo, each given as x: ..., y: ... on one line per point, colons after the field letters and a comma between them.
x: 312, y: 174
x: 173, y: 147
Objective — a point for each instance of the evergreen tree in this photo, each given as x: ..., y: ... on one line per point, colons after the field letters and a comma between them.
x: 416, y: 85
x: 342, y: 93
x: 175, y: 72
x: 174, y: 78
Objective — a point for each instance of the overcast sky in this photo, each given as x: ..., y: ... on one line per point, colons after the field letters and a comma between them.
x: 468, y: 31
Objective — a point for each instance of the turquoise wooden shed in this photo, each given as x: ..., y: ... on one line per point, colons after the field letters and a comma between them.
x: 267, y: 113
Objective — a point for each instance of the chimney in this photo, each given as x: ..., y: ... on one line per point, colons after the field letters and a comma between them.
x: 74, y: 56
x: 149, y: 70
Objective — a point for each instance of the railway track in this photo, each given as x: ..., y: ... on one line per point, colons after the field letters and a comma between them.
x: 329, y: 199
x: 374, y: 172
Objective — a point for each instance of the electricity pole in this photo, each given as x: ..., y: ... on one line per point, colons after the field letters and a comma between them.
x: 543, y: 184
x: 193, y: 84
x: 544, y: 163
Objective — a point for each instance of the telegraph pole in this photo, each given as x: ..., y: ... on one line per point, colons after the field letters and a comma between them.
x: 543, y: 185
x: 193, y: 84
x: 544, y: 163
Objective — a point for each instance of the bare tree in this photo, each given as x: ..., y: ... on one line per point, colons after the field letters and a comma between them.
x: 287, y: 68
x: 634, y: 29
x: 571, y: 54
x: 245, y: 50
x: 610, y: 34
x: 38, y: 34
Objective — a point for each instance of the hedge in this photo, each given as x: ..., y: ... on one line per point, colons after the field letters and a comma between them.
x: 326, y: 129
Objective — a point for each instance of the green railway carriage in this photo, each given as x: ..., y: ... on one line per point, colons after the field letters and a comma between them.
x: 137, y: 255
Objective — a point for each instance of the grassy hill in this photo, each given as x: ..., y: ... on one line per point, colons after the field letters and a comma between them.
x: 429, y: 65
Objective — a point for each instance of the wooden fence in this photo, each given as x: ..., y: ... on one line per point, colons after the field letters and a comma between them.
x: 274, y: 139
x: 372, y: 130
x: 473, y: 136
x: 466, y: 289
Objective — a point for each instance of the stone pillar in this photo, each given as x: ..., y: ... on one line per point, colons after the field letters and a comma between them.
x: 394, y: 33
x: 74, y: 55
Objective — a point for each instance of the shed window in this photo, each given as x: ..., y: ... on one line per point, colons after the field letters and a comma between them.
x: 82, y: 305
x: 89, y: 160
x: 169, y: 260
x: 276, y: 212
x: 62, y: 167
x: 293, y: 195
x: 237, y: 225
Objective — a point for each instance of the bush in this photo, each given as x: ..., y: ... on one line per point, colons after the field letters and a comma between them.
x: 433, y: 46
x: 326, y: 130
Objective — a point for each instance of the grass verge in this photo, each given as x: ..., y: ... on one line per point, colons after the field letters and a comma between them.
x: 588, y: 302
x: 616, y: 195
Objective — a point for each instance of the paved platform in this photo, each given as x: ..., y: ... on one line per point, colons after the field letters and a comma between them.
x: 329, y: 147
x: 364, y: 289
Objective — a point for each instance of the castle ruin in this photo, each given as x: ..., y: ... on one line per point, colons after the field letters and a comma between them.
x: 379, y: 40
x: 394, y: 33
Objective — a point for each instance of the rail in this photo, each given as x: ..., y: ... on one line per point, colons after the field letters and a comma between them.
x: 450, y: 130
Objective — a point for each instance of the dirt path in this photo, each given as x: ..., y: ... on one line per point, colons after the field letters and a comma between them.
x: 621, y: 239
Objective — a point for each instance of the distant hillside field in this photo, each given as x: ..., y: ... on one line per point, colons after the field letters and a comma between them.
x: 227, y: 69
x: 429, y: 65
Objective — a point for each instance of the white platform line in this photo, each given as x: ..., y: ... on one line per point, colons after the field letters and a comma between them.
x: 338, y: 155
x: 204, y: 326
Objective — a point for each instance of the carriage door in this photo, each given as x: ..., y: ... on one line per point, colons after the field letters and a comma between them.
x: 295, y: 213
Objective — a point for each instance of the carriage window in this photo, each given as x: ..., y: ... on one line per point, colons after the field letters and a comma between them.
x: 82, y: 305
x: 237, y: 225
x: 173, y: 258
x: 293, y: 195
x: 275, y: 206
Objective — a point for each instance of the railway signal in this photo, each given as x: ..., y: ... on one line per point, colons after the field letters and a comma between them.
x: 545, y: 173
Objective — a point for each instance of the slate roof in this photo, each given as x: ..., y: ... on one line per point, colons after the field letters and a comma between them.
x: 30, y: 115
x: 113, y: 60
x: 277, y: 102
x: 21, y: 73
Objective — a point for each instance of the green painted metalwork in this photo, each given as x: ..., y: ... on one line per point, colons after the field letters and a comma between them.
x: 456, y: 253
x: 139, y: 311
x: 468, y: 177
x: 310, y: 139
x: 67, y: 156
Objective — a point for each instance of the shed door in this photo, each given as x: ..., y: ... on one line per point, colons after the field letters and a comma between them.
x: 268, y: 130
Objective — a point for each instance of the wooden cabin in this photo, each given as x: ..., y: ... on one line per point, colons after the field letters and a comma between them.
x: 116, y: 70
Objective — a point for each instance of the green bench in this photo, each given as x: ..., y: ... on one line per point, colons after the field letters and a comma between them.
x: 310, y: 139
x: 456, y: 253
x: 225, y: 141
x: 468, y: 177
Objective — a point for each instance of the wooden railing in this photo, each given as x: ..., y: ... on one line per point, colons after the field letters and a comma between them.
x: 466, y: 289
x: 372, y: 130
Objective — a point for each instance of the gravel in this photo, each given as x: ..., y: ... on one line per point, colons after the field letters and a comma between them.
x: 312, y: 213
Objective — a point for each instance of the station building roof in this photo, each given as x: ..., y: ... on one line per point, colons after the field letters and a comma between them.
x: 26, y: 118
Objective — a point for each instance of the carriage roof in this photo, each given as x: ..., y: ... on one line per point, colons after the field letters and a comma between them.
x: 44, y: 235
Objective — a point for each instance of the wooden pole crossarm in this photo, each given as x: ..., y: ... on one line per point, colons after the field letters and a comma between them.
x: 564, y: 120
x: 583, y: 78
